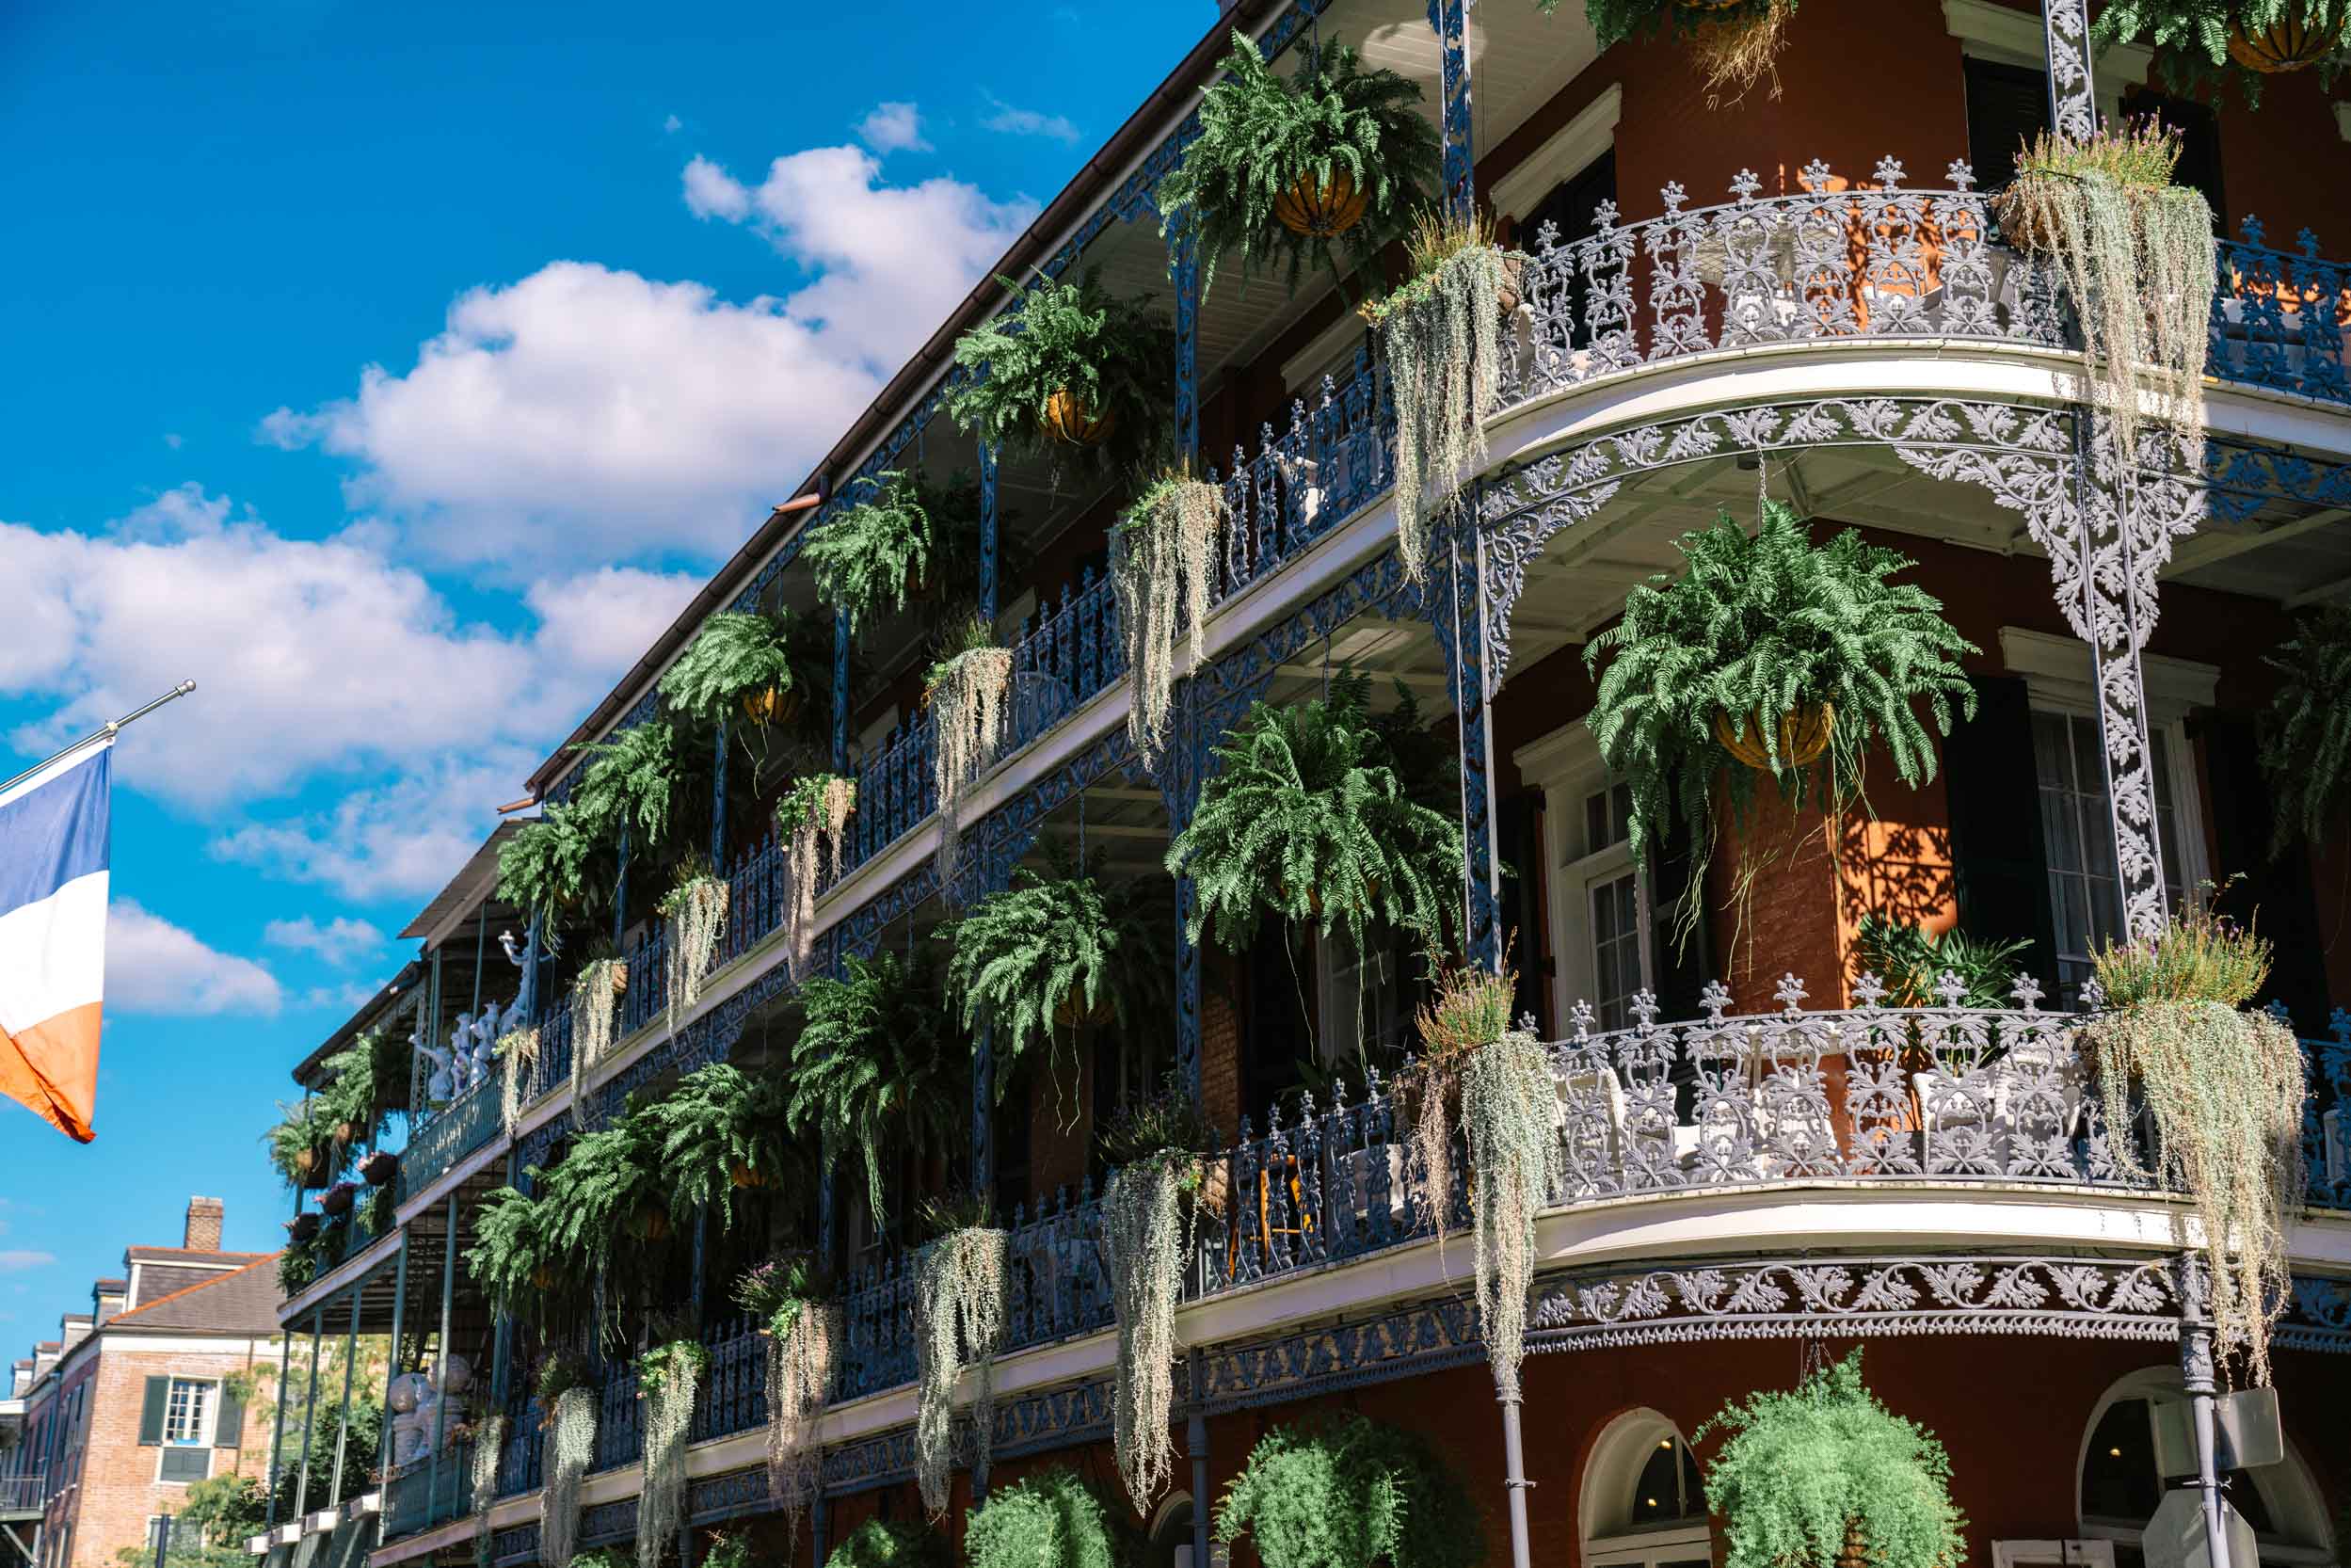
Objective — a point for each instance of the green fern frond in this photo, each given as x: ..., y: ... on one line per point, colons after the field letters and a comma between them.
x: 875, y: 551
x: 2306, y: 732
x: 875, y: 1068
x: 1262, y: 134
x: 1114, y: 355
x: 1306, y: 819
x: 544, y: 868
x: 737, y: 655
x: 717, y: 1118
x: 630, y: 783
x: 2191, y: 37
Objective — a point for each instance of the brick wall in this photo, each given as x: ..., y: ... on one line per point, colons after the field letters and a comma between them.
x: 118, y: 1492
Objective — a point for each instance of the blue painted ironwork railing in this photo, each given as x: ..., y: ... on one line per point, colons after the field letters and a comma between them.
x: 463, y: 1126
x: 423, y: 1494
x: 1334, y: 459
x: 2279, y: 318
x: 523, y: 1451
x: 19, y: 1493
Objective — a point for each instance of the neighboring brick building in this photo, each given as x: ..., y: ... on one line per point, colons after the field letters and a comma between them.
x: 128, y: 1406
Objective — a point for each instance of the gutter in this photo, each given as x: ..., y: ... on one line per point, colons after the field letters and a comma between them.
x: 1130, y: 141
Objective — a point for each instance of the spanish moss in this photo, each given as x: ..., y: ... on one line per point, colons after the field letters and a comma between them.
x: 698, y: 916
x: 571, y: 1450
x: 1144, y: 1249
x: 595, y: 1002
x: 1163, y: 566
x: 518, y: 1054
x: 1443, y: 334
x: 959, y: 1302
x: 967, y: 697
x: 799, y: 1381
x: 1509, y: 1110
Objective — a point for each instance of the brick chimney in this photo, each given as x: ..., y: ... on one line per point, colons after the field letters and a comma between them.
x: 204, y: 1225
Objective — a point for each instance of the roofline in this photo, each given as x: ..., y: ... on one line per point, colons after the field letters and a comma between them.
x: 258, y: 1259
x: 398, y: 986
x: 1131, y: 141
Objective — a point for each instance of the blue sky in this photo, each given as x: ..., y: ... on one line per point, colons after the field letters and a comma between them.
x: 395, y: 373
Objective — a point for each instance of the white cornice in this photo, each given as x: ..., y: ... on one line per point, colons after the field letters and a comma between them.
x: 1993, y: 32
x: 1567, y: 151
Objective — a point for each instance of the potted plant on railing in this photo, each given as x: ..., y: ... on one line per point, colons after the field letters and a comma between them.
x: 1442, y: 334
x: 875, y: 1068
x: 669, y: 1381
x: 1769, y: 658
x: 1823, y: 1476
x: 1286, y: 169
x: 960, y: 1303
x: 2306, y: 731
x: 966, y: 691
x: 2135, y: 254
x: 891, y: 1544
x: 812, y: 816
x: 2198, y: 41
x: 696, y: 911
x: 1311, y: 819
x: 1060, y: 950
x: 1734, y: 43
x: 379, y: 1168
x: 1066, y: 369
x: 297, y: 1261
x: 790, y: 1299
x: 337, y: 1200
x: 2224, y: 1085
x: 720, y: 1130
x: 1351, y: 1493
x: 543, y: 869
x: 1165, y: 554
x: 1150, y: 1207
x: 1052, y: 1519
x: 567, y: 1406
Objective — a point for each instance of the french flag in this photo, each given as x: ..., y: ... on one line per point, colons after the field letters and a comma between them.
x: 53, y: 828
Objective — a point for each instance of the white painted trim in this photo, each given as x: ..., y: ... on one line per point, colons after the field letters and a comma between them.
x: 1319, y: 357
x: 1565, y: 152
x: 183, y: 1343
x: 2057, y: 669
x: 1994, y: 32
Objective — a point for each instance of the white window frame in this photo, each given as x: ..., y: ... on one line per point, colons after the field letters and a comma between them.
x: 2056, y: 672
x: 1565, y: 765
x: 208, y: 1433
x: 1618, y: 1457
x: 1988, y: 31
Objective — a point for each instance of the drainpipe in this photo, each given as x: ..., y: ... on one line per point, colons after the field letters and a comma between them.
x: 1514, y: 1478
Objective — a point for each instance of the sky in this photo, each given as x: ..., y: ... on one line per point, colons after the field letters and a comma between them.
x: 397, y: 373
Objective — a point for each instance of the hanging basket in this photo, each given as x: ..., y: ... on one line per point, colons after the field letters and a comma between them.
x: 337, y: 1200
x: 1512, y: 289
x: 772, y: 705
x: 649, y: 1222
x: 620, y: 980
x: 1803, y: 736
x: 303, y: 1228
x: 1067, y: 420
x: 380, y: 1167
x: 2289, y: 46
x: 347, y: 1133
x: 747, y: 1176
x: 313, y: 1168
x: 1071, y: 1012
x: 1322, y: 210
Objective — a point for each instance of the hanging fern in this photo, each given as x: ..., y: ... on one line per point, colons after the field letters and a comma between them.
x: 1822, y: 1474
x: 1144, y: 1248
x: 1053, y: 1519
x: 1442, y: 334
x: 812, y: 818
x: 1469, y: 1009
x: 607, y: 1200
x: 543, y: 869
x: 515, y: 1260
x: 875, y: 551
x: 875, y: 1068
x: 2306, y: 731
x: 669, y: 1379
x: 1111, y: 356
x: 1734, y: 43
x: 2200, y: 43
x: 1165, y: 556
x: 630, y: 785
x: 1757, y: 628
x: 960, y: 1300
x: 571, y: 1450
x: 720, y: 1128
x: 303, y: 1147
x: 696, y: 911
x: 1307, y: 820
x: 1060, y: 946
x: 1326, y: 136
x: 890, y: 1543
x: 1351, y: 1493
x: 366, y: 1082
x: 737, y: 660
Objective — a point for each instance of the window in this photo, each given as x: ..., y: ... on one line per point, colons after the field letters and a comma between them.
x: 2008, y: 105
x: 2123, y: 1478
x: 187, y: 1431
x: 1571, y: 207
x: 1360, y: 1005
x: 2199, y: 144
x: 2083, y: 888
x: 1600, y: 903
x: 1643, y: 1501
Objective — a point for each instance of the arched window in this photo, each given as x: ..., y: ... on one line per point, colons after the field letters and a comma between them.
x: 1168, y: 1540
x: 2124, y: 1477
x: 1643, y: 1504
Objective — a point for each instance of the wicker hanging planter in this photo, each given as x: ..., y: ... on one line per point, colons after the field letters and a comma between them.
x: 337, y: 1200
x: 1803, y: 736
x: 747, y: 1175
x: 649, y: 1222
x: 1067, y: 420
x: 620, y: 980
x: 772, y: 706
x: 2289, y: 46
x: 1318, y: 208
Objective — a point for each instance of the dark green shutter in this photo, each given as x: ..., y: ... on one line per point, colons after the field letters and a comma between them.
x: 1684, y: 966
x: 1519, y: 829
x: 151, y: 1413
x: 1999, y: 850
x: 228, y: 1426
x: 185, y: 1465
x: 2275, y: 893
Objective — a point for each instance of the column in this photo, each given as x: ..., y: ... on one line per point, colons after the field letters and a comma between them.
x: 2197, y: 1376
x: 277, y: 1435
x: 1450, y: 21
x: 718, y: 800
x: 983, y: 1109
x: 1183, y: 266
x: 1196, y: 1449
x: 1457, y: 608
x: 399, y: 1313
x: 342, y: 1421
x: 1180, y: 770
x: 840, y: 692
x: 988, y: 551
x: 2073, y: 82
x: 310, y: 1408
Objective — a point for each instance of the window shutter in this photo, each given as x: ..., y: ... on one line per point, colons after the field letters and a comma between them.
x: 229, y: 1425
x: 2278, y: 893
x: 1682, y: 965
x: 151, y: 1413
x: 185, y: 1465
x: 2008, y: 105
x: 1999, y: 850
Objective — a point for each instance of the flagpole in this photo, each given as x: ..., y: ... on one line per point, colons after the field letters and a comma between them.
x: 103, y: 733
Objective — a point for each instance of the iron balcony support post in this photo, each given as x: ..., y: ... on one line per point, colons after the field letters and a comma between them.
x: 343, y: 1418
x: 989, y: 546
x: 620, y: 891
x: 2196, y: 1375
x: 982, y: 1104
x: 277, y: 1437
x: 526, y: 992
x: 819, y: 1515
x: 841, y: 690
x: 441, y: 1358
x: 1450, y: 20
x: 1514, y: 1479
x: 1196, y: 1449
x: 310, y: 1408
x: 1184, y: 267
x: 399, y: 1312
x: 1180, y: 769
x: 2072, y: 76
x: 1455, y: 601
x: 718, y: 799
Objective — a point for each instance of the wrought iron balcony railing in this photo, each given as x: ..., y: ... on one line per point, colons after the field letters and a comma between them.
x: 1891, y: 1095
x: 457, y: 1130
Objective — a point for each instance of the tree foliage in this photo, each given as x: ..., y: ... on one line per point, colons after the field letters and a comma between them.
x: 1054, y: 1519
x: 1262, y: 135
x: 890, y: 1543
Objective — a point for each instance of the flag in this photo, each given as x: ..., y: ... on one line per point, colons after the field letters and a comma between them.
x: 53, y: 828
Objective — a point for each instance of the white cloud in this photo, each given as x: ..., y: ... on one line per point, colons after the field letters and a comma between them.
x: 173, y: 440
x: 672, y: 125
x: 314, y: 660
x: 893, y: 127
x: 20, y: 1259
x: 712, y: 192
x: 155, y: 967
x: 1028, y: 123
x: 349, y: 997
x: 341, y: 941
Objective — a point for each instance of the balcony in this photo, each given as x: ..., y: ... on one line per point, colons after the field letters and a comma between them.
x: 1947, y: 1099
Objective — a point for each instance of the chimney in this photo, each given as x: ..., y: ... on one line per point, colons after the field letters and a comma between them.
x: 204, y: 1225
